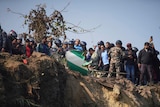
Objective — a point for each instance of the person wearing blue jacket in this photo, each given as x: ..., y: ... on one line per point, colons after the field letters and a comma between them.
x: 43, y: 47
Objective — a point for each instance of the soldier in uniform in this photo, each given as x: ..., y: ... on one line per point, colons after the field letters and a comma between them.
x: 115, y: 55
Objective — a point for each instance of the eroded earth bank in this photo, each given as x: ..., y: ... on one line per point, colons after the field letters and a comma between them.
x: 44, y: 82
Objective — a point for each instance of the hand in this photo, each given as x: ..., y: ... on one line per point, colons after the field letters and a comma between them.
x: 130, y: 56
x: 94, y: 47
x: 139, y: 65
x: 17, y: 46
x: 3, y: 50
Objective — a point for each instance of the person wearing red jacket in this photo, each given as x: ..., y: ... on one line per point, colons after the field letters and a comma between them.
x: 28, y: 50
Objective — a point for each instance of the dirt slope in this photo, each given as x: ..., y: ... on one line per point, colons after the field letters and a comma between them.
x: 44, y: 82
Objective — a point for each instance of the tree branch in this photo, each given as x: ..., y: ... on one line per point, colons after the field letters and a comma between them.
x: 65, y: 6
x: 82, y: 30
x: 9, y: 10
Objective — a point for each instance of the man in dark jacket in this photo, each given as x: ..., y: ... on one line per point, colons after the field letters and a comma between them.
x: 130, y: 60
x: 43, y: 47
x: 145, y: 62
x: 10, y: 40
x: 3, y: 38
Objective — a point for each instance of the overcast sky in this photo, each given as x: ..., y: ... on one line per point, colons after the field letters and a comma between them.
x: 132, y: 21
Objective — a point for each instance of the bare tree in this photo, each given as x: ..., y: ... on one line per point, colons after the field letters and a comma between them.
x: 39, y: 24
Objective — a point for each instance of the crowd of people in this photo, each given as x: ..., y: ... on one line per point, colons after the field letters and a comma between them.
x: 140, y: 67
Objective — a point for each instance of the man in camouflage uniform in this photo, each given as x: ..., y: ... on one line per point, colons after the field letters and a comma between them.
x: 115, y: 55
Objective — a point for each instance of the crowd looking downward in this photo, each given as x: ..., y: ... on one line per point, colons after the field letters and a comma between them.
x: 140, y: 67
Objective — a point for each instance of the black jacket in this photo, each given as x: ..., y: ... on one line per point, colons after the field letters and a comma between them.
x: 130, y: 60
x: 3, y: 39
x: 146, y: 57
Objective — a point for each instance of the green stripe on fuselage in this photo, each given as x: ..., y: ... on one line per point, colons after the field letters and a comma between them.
x: 78, y: 53
x: 74, y: 67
